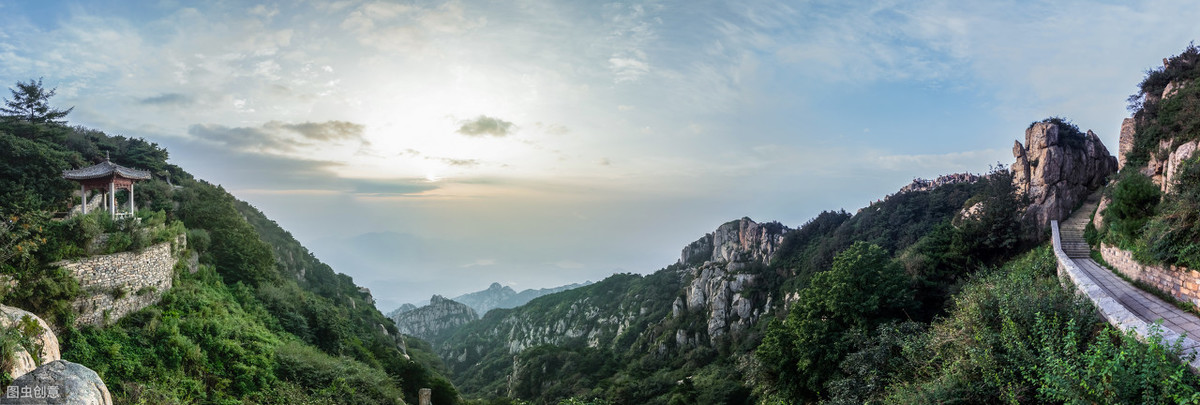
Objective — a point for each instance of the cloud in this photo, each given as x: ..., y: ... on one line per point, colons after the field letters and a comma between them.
x: 485, y: 126
x: 324, y: 131
x: 276, y: 136
x: 168, y: 99
x: 391, y: 26
x: 632, y: 33
x: 461, y: 162
x: 389, y: 187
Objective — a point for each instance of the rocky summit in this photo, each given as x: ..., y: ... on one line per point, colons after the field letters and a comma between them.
x: 430, y: 321
x: 737, y: 241
x: 1057, y: 168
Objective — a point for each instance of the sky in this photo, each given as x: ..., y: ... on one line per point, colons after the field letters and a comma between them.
x: 435, y: 147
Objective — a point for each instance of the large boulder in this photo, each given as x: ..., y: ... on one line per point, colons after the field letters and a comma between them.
x: 58, y: 382
x: 1056, y: 171
x: 41, y: 335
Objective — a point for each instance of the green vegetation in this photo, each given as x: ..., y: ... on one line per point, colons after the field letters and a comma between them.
x: 1134, y: 201
x: 1015, y: 335
x: 862, y: 290
x: 1175, y: 118
x: 1160, y: 228
x: 262, y: 321
x: 1173, y: 236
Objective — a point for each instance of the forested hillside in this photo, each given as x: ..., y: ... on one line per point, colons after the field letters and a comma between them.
x: 261, y: 320
x: 947, y: 295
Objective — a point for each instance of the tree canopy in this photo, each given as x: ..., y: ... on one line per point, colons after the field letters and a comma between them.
x: 31, y: 103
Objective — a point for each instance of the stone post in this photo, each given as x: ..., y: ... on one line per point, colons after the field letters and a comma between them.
x: 83, y: 194
x: 131, y: 209
x: 425, y: 397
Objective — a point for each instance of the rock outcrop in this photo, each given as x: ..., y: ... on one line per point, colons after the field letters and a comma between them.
x: 1162, y: 171
x: 45, y: 343
x: 1125, y: 144
x: 739, y: 241
x: 718, y: 285
x: 402, y: 309
x: 430, y: 321
x: 1056, y: 171
x: 722, y: 296
x: 58, y: 382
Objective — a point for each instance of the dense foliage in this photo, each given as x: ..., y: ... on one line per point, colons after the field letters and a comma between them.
x: 1015, y: 335
x: 261, y: 321
x: 863, y: 289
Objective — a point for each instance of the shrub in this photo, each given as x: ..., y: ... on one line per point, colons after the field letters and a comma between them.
x: 1173, y: 236
x: 339, y: 380
x: 118, y: 242
x: 198, y: 240
x: 1134, y: 200
x: 863, y: 289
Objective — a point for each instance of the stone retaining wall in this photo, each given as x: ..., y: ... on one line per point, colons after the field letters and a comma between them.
x: 121, y: 283
x: 1181, y: 282
x: 1109, y: 307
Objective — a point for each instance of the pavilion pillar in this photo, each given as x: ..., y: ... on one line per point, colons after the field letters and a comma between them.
x: 131, y: 207
x: 83, y: 195
x: 112, y: 199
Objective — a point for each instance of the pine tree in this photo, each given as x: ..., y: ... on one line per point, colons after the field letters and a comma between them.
x: 30, y: 103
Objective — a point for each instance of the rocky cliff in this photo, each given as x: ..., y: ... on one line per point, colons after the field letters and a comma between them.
x: 1057, y: 168
x: 403, y: 308
x: 739, y: 241
x: 711, y: 297
x: 1169, y: 152
x: 430, y: 321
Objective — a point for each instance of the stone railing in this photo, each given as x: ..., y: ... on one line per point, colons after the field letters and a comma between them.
x: 1181, y: 282
x: 1109, y: 307
x: 121, y: 283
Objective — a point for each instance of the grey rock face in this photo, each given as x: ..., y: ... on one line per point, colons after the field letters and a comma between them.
x: 717, y: 291
x: 429, y: 321
x: 1057, y: 174
x: 58, y: 382
x: 742, y: 241
x: 717, y: 285
x: 698, y: 252
x: 1128, y: 130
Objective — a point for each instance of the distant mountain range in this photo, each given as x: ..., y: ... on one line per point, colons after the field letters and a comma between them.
x: 495, y: 296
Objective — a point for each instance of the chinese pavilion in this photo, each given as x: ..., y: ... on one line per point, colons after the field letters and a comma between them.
x: 107, y: 177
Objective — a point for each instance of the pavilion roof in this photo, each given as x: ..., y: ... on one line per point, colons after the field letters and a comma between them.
x: 104, y: 169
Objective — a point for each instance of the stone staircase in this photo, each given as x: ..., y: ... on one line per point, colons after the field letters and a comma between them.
x: 1073, y: 243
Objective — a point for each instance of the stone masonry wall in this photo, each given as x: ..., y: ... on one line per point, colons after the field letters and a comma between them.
x: 121, y: 283
x: 1180, y: 282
